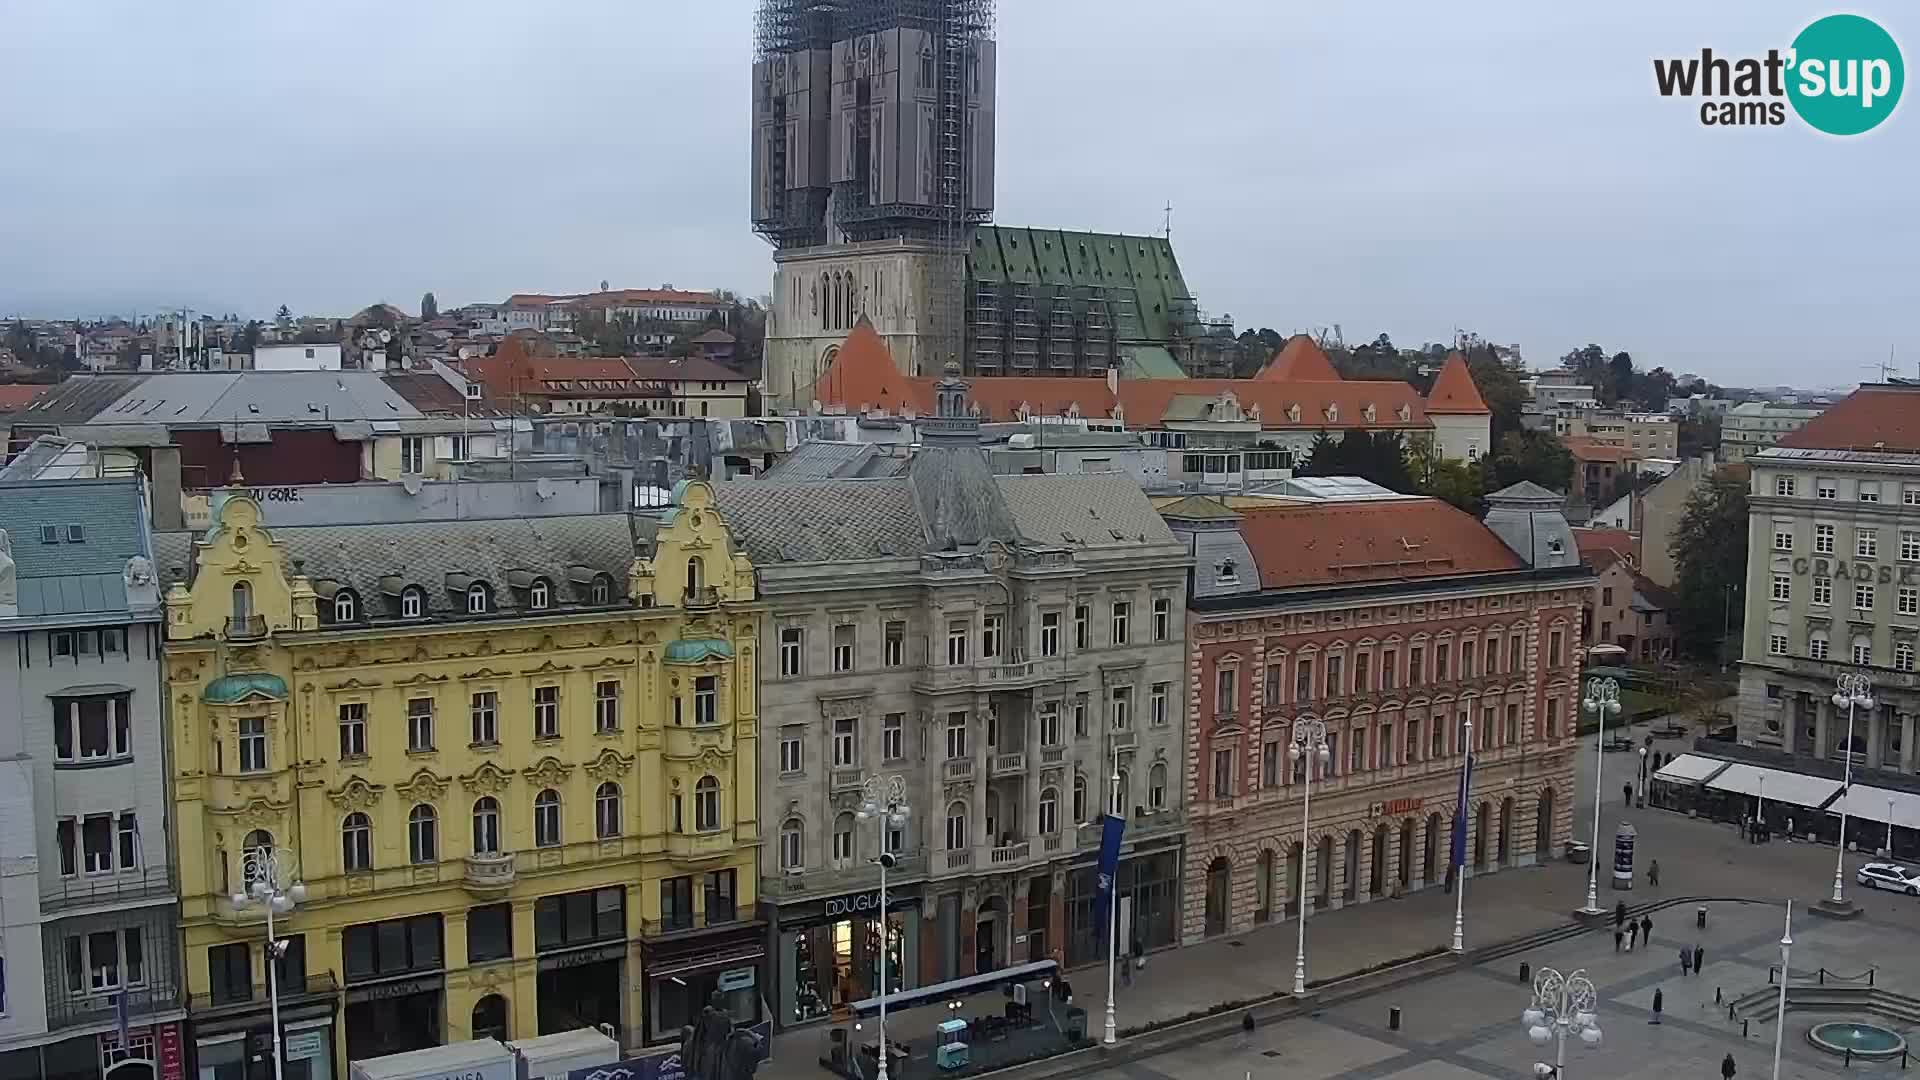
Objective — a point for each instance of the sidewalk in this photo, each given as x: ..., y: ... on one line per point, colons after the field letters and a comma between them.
x: 1696, y: 858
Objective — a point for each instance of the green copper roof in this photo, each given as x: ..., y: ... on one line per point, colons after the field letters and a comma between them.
x: 1149, y: 362
x: 1145, y: 264
x: 695, y: 650
x: 228, y: 689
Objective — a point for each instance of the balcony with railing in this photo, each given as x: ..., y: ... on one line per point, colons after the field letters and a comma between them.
x: 991, y: 673
x: 956, y: 769
x: 1012, y: 764
x: 153, y: 883
x: 489, y: 874
x: 847, y: 877
x: 246, y: 627
x: 316, y: 986
x: 846, y: 778
x: 695, y: 846
x: 701, y: 596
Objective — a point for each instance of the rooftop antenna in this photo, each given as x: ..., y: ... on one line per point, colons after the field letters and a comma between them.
x: 1167, y: 222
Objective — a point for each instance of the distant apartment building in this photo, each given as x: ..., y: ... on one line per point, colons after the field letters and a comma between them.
x: 1645, y: 436
x: 1752, y: 426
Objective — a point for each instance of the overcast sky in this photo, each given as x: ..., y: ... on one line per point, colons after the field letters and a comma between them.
x: 1377, y: 166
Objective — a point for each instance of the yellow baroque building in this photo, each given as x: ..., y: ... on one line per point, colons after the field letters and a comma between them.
x: 511, y: 763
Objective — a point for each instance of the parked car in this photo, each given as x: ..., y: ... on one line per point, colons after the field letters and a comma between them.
x: 1886, y: 875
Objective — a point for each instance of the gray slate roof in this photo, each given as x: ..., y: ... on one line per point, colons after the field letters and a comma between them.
x: 850, y: 520
x: 227, y: 397
x: 68, y: 577
x: 425, y: 553
x: 820, y: 461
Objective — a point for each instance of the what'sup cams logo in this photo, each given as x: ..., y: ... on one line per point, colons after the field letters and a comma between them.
x: 1843, y: 76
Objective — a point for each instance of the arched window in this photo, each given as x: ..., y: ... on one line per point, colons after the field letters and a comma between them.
x: 1124, y: 797
x: 606, y: 810
x: 1049, y: 811
x: 956, y: 825
x: 478, y: 602
x: 1079, y: 799
x: 1817, y: 645
x: 826, y: 304
x: 490, y: 1017
x: 853, y: 293
x: 540, y: 595
x: 346, y: 606
x: 843, y: 840
x: 546, y: 819
x: 602, y: 590
x: 413, y: 602
x: 356, y: 843
x: 694, y: 580
x: 486, y: 826
x: 1862, y: 650
x: 423, y: 834
x: 1157, y: 786
x: 791, y: 850
x: 242, y: 603
x: 257, y: 840
x: 706, y: 804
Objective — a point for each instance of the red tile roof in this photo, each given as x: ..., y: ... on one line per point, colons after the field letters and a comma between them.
x: 1877, y: 417
x: 1586, y: 448
x: 863, y: 376
x: 1454, y: 393
x: 1602, y: 547
x: 1389, y: 540
x: 19, y: 395
x: 1299, y: 360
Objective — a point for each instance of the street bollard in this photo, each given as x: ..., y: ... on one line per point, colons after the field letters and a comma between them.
x: 1743, y: 1028
x: 1526, y: 972
x: 1700, y: 916
x: 1393, y: 1018
x: 1848, y: 1059
x: 1730, y: 1010
x: 1716, y: 995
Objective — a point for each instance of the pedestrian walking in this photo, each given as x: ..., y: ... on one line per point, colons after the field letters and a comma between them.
x: 1686, y: 961
x: 1619, y: 912
x: 1126, y: 969
x: 1626, y: 793
x: 1653, y: 873
x: 1789, y: 830
x: 1139, y: 953
x: 1619, y: 936
x: 1658, y: 1001
x: 1646, y: 928
x: 1633, y: 935
x: 1726, y: 1067
x: 1700, y: 958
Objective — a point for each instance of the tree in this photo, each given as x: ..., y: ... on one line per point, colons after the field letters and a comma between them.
x: 1324, y: 457
x: 429, y: 307
x: 1528, y: 455
x: 1500, y: 387
x: 250, y: 335
x: 1377, y: 456
x: 1457, y: 482
x: 1710, y: 555
x: 284, y: 313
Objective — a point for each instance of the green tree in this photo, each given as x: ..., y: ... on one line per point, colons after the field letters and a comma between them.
x: 1528, y: 455
x: 284, y: 313
x: 1710, y: 554
x: 1500, y: 387
x: 1459, y: 483
x: 250, y: 335
x: 1324, y: 457
x: 429, y: 307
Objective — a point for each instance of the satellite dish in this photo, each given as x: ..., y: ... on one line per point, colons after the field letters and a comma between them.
x: 386, y: 336
x: 412, y: 484
x: 468, y: 352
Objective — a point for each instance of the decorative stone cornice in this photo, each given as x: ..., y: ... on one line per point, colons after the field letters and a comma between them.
x: 356, y: 794
x: 423, y: 786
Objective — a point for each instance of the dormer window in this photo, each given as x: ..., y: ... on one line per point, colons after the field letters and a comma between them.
x: 602, y: 591
x: 478, y: 602
x: 346, y: 606
x: 1226, y: 572
x: 413, y: 603
x: 540, y: 596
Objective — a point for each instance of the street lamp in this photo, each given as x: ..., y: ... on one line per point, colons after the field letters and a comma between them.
x: 270, y: 884
x: 1603, y: 698
x: 1309, y: 745
x: 1889, y: 828
x: 1643, y: 776
x: 885, y: 803
x: 1853, y: 691
x: 1460, y: 827
x: 1562, y: 1005
x: 1780, y: 1010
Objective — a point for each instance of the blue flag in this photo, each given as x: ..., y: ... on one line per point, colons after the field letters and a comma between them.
x: 1460, y: 814
x: 1111, y: 828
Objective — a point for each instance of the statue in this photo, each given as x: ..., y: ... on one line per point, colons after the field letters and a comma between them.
x: 705, y: 1043
x: 139, y: 571
x: 9, y: 588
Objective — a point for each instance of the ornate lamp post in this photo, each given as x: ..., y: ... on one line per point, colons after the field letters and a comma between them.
x: 1602, y: 700
x: 1562, y: 1005
x: 271, y: 885
x: 1853, y: 691
x: 1459, y: 944
x: 885, y: 803
x: 1309, y: 746
x: 1780, y: 1010
x: 1112, y: 1033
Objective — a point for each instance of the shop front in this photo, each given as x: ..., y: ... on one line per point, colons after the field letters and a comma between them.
x: 581, y: 941
x: 827, y: 952
x: 1148, y: 890
x: 395, y: 986
x: 685, y: 971
x: 151, y: 1052
x: 233, y: 1040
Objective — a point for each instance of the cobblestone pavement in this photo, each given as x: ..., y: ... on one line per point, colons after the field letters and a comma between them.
x: 1466, y: 1023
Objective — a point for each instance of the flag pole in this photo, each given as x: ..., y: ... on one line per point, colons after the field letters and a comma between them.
x: 1460, y: 844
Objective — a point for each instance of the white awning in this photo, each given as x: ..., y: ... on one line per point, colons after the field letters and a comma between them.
x: 1797, y: 789
x: 1690, y: 769
x: 1870, y: 804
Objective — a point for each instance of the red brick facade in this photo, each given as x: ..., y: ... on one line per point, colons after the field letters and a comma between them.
x: 1384, y: 664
